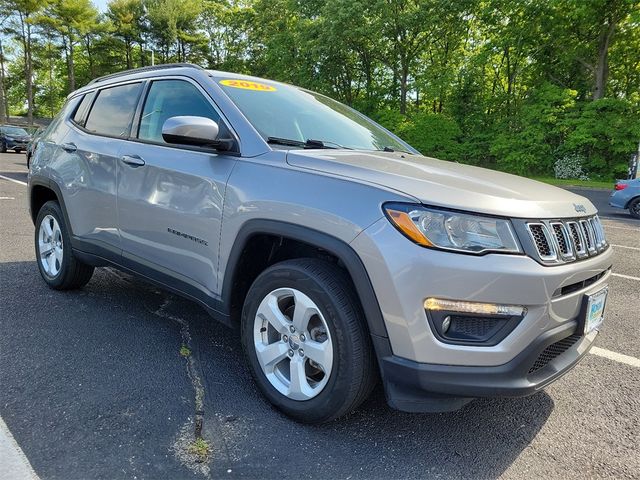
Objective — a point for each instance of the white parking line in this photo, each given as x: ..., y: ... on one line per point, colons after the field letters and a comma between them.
x: 615, y: 356
x: 14, y: 180
x: 7, y: 198
x: 628, y: 277
x: 14, y: 464
x: 624, y: 246
x: 611, y: 226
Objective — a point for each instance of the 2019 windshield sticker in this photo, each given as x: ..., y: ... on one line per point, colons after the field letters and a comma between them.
x: 247, y: 85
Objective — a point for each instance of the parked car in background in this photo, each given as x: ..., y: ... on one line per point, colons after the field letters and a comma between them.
x: 13, y: 138
x: 33, y: 144
x: 626, y: 194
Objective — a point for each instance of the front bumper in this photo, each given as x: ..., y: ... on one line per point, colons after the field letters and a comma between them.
x: 422, y: 373
x: 418, y: 387
x: 15, y: 144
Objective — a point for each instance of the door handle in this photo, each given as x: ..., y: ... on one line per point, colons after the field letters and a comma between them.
x: 133, y: 160
x: 69, y: 147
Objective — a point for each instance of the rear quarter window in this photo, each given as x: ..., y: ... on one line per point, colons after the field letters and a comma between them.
x: 80, y: 115
x: 113, y: 110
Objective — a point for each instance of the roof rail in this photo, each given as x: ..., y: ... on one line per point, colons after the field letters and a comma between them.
x: 144, y: 69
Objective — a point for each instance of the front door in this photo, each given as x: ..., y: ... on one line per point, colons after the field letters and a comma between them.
x: 170, y: 198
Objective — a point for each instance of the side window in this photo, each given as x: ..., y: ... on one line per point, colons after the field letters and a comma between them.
x: 172, y: 98
x: 80, y: 117
x: 113, y: 110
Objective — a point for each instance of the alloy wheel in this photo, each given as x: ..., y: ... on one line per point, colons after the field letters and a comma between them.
x: 293, y: 344
x: 50, y: 245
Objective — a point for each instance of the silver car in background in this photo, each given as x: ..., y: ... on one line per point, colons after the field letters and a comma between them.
x: 343, y: 255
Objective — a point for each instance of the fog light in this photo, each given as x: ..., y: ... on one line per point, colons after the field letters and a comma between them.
x: 436, y: 304
x: 446, y: 323
x: 460, y: 322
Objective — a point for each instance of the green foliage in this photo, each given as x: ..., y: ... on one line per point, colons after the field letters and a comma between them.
x: 510, y: 85
x: 432, y: 134
x: 527, y: 141
x: 605, y: 131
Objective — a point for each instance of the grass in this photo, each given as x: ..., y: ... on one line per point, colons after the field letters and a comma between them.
x: 576, y: 183
x: 200, y: 448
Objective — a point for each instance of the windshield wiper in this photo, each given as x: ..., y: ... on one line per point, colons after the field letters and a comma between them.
x: 309, y: 143
x: 391, y: 149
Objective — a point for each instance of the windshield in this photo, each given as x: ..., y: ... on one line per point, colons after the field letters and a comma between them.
x: 285, y: 112
x: 14, y: 131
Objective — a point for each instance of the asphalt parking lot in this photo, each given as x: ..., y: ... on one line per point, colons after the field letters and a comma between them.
x: 93, y: 385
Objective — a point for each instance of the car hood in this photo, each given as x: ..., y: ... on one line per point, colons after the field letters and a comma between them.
x: 447, y: 184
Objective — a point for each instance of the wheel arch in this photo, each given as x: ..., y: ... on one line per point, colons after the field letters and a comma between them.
x: 42, y: 190
x: 635, y: 197
x: 287, y: 232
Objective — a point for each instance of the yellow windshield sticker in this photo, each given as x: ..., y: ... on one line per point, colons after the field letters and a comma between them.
x: 247, y: 85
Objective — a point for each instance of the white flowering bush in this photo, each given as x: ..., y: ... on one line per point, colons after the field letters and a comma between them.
x: 570, y: 166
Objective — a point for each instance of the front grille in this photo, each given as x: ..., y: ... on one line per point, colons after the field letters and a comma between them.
x: 587, y: 231
x: 561, y: 236
x: 553, y: 351
x: 542, y: 241
x: 576, y: 238
x: 562, y: 241
x: 574, y: 287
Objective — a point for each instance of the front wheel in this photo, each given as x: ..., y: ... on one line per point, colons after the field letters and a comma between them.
x: 634, y: 208
x: 59, y: 268
x: 306, y: 342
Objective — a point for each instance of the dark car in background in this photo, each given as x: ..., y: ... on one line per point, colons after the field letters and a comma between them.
x: 13, y: 138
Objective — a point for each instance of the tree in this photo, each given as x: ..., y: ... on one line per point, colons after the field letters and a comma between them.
x: 71, y: 19
x: 125, y: 16
x: 22, y: 28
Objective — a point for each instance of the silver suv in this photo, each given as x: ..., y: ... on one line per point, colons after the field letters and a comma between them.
x: 343, y: 255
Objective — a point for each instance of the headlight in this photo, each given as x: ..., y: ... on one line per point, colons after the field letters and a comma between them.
x: 460, y: 232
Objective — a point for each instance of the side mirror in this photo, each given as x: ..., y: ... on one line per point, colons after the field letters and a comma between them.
x: 191, y: 130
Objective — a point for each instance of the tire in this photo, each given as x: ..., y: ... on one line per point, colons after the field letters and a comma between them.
x: 634, y: 207
x: 3, y: 148
x: 59, y: 269
x: 336, y: 324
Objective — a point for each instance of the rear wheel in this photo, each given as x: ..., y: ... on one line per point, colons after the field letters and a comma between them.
x: 3, y: 147
x: 306, y: 342
x: 634, y: 208
x: 57, y: 264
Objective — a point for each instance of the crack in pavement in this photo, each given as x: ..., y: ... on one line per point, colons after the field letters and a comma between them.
x: 183, y: 446
x: 191, y: 430
x: 192, y: 367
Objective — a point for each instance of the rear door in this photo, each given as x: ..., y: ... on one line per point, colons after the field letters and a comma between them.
x: 85, y: 168
x: 170, y: 197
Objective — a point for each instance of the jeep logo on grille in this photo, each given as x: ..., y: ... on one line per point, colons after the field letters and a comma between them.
x: 579, y: 208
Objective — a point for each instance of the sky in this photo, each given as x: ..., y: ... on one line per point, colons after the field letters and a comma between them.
x: 100, y: 4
